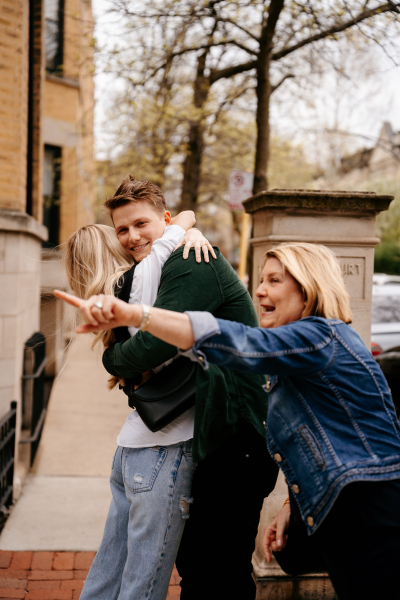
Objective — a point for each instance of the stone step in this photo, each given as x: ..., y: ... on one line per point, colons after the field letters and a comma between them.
x: 306, y: 587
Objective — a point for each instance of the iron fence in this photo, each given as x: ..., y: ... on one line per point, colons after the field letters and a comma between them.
x: 7, y: 454
x: 33, y: 390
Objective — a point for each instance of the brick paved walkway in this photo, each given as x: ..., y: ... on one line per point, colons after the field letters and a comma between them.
x: 51, y: 575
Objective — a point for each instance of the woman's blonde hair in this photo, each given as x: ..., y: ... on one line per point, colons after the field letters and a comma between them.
x: 318, y: 272
x: 94, y: 262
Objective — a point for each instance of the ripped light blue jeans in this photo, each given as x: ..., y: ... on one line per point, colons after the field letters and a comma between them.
x: 150, y: 503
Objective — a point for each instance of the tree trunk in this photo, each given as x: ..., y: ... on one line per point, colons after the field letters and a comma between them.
x: 263, y: 92
x: 192, y: 166
x: 195, y: 147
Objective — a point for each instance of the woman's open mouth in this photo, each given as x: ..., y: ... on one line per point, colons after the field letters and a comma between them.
x: 268, y: 309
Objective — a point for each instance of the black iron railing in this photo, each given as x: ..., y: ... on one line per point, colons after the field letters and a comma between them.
x: 7, y: 453
x: 33, y: 396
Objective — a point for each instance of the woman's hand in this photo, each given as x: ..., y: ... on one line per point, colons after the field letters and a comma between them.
x: 274, y: 534
x: 107, y: 312
x: 195, y: 239
x: 103, y: 312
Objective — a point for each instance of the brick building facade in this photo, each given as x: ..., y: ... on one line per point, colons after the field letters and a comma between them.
x: 47, y: 173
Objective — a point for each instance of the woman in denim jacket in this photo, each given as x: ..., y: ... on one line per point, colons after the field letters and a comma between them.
x: 331, y: 425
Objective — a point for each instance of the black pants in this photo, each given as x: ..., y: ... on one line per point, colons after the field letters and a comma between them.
x: 359, y: 541
x: 229, y: 486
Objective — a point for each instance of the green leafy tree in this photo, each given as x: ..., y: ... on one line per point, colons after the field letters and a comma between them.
x: 258, y: 44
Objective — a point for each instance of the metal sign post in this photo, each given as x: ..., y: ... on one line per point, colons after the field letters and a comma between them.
x: 241, y: 188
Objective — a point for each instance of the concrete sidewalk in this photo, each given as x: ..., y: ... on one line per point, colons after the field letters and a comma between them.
x: 65, y: 499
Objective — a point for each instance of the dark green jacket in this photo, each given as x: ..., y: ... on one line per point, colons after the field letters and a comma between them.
x: 224, y: 398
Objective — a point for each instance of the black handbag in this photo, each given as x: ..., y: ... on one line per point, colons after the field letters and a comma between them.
x: 301, y: 555
x: 166, y: 395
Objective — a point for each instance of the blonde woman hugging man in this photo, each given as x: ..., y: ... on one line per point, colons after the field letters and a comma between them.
x: 163, y: 509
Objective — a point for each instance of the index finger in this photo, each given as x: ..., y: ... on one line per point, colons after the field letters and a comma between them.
x: 74, y: 300
x: 266, y: 543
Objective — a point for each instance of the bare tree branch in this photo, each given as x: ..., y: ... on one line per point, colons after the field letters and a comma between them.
x: 231, y: 71
x: 246, y: 31
x: 389, y: 7
x: 202, y: 47
x: 276, y: 86
x: 243, y: 47
x: 227, y: 103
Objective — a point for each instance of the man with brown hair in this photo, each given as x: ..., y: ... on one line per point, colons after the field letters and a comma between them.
x: 139, y: 212
x: 234, y: 471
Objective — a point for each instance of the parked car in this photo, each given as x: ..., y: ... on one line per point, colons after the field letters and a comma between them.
x: 383, y: 279
x: 385, y: 330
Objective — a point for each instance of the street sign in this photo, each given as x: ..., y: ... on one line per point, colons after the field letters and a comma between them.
x: 240, y: 188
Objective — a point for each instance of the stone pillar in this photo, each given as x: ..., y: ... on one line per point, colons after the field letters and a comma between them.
x: 21, y: 239
x: 343, y: 221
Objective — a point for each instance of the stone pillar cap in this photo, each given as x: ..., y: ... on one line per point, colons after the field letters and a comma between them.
x: 318, y: 200
x: 20, y: 222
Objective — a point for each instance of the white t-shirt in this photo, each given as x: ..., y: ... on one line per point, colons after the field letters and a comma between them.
x: 145, y: 284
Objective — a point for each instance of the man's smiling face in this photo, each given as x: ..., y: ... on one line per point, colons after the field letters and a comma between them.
x: 138, y: 225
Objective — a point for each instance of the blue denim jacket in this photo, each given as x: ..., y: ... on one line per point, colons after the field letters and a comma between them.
x: 331, y: 418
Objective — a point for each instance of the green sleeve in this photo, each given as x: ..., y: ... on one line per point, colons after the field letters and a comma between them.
x: 185, y: 285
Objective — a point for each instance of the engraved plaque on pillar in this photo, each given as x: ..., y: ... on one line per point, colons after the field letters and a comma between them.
x: 353, y: 271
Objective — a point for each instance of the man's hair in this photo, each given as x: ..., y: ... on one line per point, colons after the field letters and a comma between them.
x: 317, y: 270
x: 132, y: 190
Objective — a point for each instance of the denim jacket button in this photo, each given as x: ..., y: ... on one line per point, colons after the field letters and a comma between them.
x: 310, y: 521
x: 265, y: 425
x: 201, y: 359
x: 278, y: 457
x: 296, y: 489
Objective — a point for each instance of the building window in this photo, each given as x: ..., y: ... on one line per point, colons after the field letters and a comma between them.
x: 53, y: 14
x: 51, y: 194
